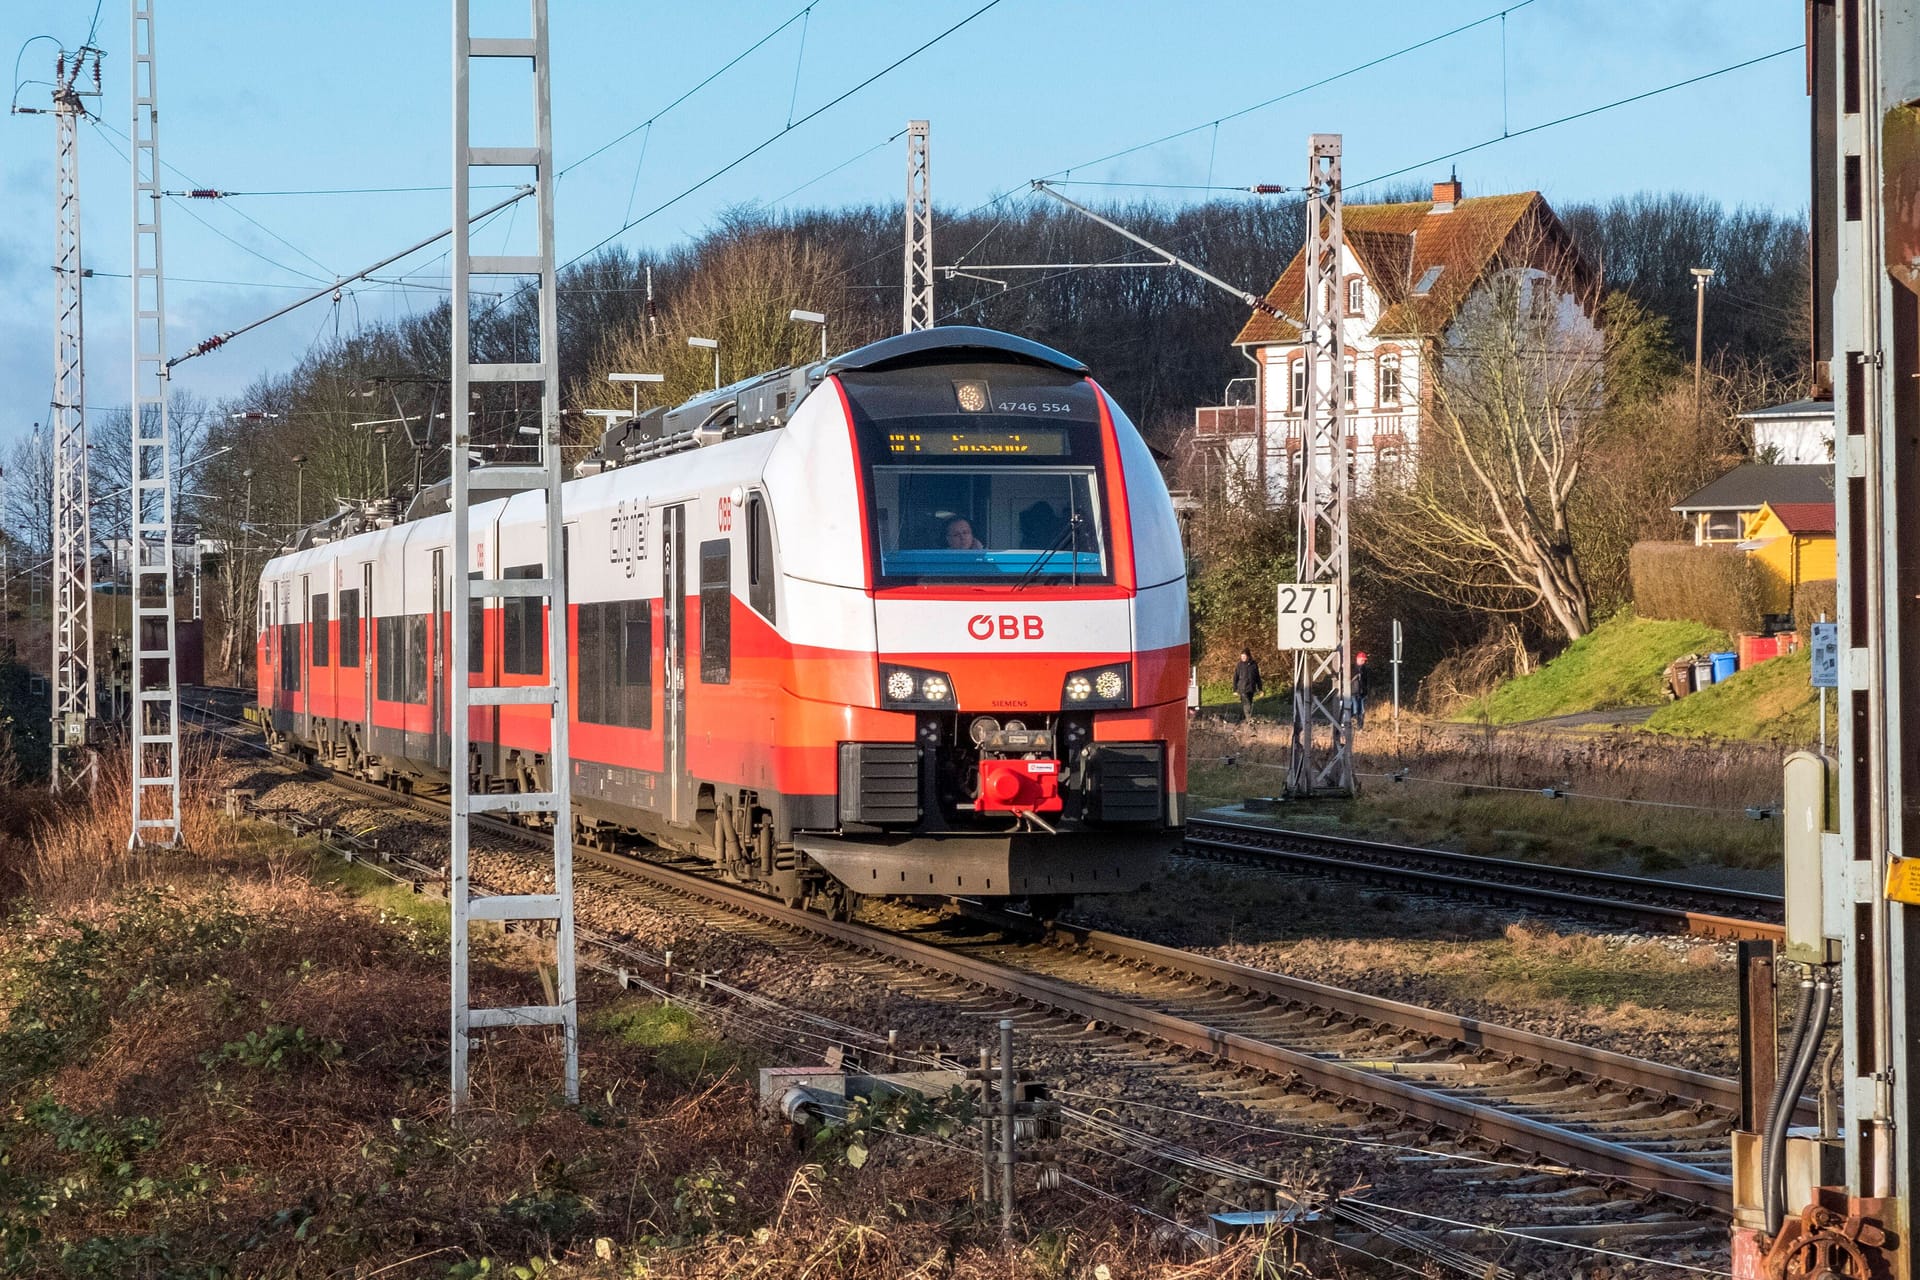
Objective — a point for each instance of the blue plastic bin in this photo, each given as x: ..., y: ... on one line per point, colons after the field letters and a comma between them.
x: 1724, y: 665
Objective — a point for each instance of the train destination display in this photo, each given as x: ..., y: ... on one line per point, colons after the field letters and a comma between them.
x: 1041, y: 442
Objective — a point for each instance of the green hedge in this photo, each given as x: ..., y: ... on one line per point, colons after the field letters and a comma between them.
x: 1720, y: 586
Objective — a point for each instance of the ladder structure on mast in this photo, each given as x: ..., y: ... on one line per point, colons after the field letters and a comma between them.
x: 75, y: 709
x: 916, y: 306
x: 473, y: 164
x: 154, y: 729
x: 1321, y: 762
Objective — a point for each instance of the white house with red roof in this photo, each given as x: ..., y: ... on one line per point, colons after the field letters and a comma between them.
x: 1407, y: 271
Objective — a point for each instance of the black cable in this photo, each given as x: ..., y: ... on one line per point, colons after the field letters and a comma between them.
x: 1780, y: 1109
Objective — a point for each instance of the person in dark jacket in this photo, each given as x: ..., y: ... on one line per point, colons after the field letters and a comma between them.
x: 1357, y: 692
x: 1247, y: 684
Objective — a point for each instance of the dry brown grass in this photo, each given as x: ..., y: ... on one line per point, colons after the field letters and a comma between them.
x: 1660, y: 802
x: 213, y: 1064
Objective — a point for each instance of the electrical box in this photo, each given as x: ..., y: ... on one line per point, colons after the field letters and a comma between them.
x: 1805, y: 814
x: 73, y: 730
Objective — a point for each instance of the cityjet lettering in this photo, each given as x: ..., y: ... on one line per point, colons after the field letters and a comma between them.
x: 1007, y: 626
x: 627, y: 536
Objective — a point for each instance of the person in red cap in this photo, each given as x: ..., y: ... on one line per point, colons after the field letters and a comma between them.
x: 1357, y: 692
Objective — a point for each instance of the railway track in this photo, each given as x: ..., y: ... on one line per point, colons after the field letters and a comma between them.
x: 1628, y: 1122
x: 1657, y: 905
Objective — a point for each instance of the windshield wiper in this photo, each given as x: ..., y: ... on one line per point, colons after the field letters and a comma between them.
x: 1069, y: 534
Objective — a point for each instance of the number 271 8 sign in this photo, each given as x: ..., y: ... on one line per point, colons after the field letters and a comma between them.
x: 1309, y: 616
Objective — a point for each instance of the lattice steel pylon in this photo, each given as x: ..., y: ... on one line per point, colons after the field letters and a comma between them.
x: 71, y: 661
x: 154, y: 731
x: 471, y: 162
x: 916, y: 304
x: 1321, y: 762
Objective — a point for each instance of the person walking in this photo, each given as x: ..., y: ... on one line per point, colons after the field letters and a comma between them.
x: 1247, y: 684
x: 1357, y: 692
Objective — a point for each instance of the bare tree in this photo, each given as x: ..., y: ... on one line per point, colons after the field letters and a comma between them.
x: 1515, y: 402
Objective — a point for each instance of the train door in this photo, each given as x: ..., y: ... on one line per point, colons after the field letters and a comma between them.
x: 303, y: 655
x: 437, y: 698
x: 366, y: 645
x: 673, y: 592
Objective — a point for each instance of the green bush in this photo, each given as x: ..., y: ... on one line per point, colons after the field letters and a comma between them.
x: 1721, y: 587
x: 1812, y: 600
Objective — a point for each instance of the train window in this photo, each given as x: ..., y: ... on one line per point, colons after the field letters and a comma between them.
x: 386, y: 645
x: 994, y: 522
x: 318, y: 614
x: 416, y: 659
x: 716, y: 611
x: 636, y: 675
x: 523, y: 645
x: 289, y: 656
x: 350, y: 627
x: 615, y: 658
x: 759, y: 557
x: 476, y: 633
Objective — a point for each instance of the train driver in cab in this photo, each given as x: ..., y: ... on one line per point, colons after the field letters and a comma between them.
x: 960, y: 536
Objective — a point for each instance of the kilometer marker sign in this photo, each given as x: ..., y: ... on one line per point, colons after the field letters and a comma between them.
x: 1309, y: 614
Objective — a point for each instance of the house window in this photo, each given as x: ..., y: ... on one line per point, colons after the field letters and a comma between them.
x: 1351, y: 377
x: 1298, y: 367
x: 1356, y: 295
x: 1389, y: 379
x: 1542, y: 299
x: 1723, y: 526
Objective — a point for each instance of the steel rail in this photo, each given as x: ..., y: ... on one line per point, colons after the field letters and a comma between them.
x: 1661, y: 904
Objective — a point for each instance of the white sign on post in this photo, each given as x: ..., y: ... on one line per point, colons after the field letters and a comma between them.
x: 1309, y: 616
x: 1825, y: 652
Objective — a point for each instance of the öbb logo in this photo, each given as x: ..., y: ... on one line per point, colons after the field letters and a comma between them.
x: 985, y: 626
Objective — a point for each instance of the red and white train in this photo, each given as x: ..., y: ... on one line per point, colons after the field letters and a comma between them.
x: 909, y: 621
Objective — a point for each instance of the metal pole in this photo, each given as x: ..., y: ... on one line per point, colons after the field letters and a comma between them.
x: 553, y: 795
x: 916, y: 300
x: 1396, y: 677
x: 986, y: 1128
x: 1006, y: 1129
x: 1700, y: 277
x: 1321, y: 761
x: 153, y: 729
x: 75, y: 689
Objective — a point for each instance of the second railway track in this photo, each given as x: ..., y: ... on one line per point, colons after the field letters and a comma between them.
x: 1644, y: 903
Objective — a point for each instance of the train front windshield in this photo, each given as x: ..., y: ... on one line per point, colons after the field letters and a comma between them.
x: 982, y: 474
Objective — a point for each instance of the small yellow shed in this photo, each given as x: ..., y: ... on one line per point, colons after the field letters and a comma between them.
x: 1794, y: 541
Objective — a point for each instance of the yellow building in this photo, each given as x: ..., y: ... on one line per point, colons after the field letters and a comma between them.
x: 1794, y: 541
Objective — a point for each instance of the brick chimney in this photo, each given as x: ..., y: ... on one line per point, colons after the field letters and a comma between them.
x: 1446, y: 195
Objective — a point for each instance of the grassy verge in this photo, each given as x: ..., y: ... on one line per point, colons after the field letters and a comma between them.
x: 1617, y: 664
x: 1772, y: 701
x: 232, y: 1062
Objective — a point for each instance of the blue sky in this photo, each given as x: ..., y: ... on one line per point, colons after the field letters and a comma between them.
x: 354, y: 94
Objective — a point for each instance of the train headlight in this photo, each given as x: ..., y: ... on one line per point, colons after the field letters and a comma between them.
x: 915, y: 688
x: 1108, y: 686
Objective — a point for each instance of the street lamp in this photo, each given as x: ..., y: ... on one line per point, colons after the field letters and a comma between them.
x: 813, y: 317
x: 253, y: 415
x: 713, y: 345
x: 637, y: 378
x: 1700, y: 277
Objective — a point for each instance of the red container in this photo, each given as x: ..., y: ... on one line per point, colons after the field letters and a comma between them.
x: 1760, y: 648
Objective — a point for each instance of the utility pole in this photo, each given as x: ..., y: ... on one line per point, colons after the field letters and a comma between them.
x: 1321, y: 762
x: 916, y: 307
x: 154, y: 725
x: 75, y: 700
x: 555, y: 801
x: 1700, y: 277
